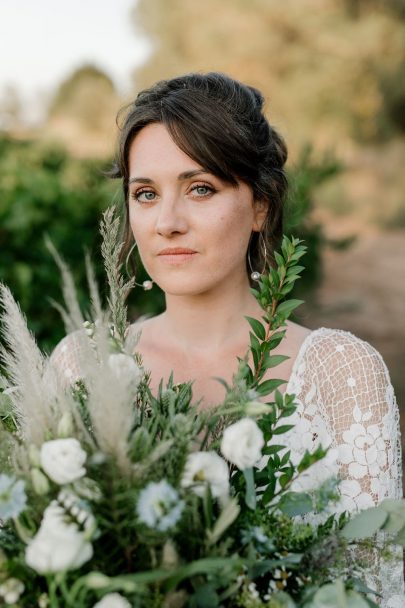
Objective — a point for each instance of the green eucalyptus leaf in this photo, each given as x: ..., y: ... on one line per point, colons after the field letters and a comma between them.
x: 400, y: 538
x: 288, y: 287
x: 272, y: 449
x: 205, y: 596
x: 292, y: 278
x: 279, y: 399
x: 268, y: 386
x: 250, y: 495
x: 296, y: 269
x: 274, y: 360
x: 254, y: 342
x: 295, y: 503
x: 257, y: 327
x: 284, y: 428
x: 365, y: 524
x: 334, y: 595
x: 279, y: 259
x: 269, y: 492
x: 286, y: 477
x: 228, y: 515
x: 276, y: 338
x: 286, y: 308
x: 396, y: 511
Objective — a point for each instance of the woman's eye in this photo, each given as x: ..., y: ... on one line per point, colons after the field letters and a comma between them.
x: 143, y: 196
x: 202, y: 190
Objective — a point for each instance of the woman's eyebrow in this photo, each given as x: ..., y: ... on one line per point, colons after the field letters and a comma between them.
x: 180, y: 177
x: 188, y: 174
x: 140, y: 180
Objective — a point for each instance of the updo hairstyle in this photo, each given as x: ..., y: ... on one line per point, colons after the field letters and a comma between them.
x: 219, y: 123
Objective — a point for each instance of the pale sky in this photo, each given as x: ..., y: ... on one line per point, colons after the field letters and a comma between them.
x: 43, y: 41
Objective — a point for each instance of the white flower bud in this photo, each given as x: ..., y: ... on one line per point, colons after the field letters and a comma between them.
x: 33, y: 455
x: 257, y: 408
x: 11, y: 590
x: 82, y: 516
x: 43, y: 600
x: 39, y: 481
x: 97, y: 580
x: 65, y: 426
x: 170, y: 557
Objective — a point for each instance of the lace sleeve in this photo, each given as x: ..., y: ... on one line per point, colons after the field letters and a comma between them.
x: 354, y: 396
x: 65, y: 358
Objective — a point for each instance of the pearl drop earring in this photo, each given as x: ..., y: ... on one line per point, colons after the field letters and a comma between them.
x: 255, y: 275
x: 147, y: 285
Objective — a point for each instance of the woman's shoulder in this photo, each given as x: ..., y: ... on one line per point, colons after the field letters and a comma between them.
x: 65, y: 357
x: 337, y: 344
x: 339, y: 359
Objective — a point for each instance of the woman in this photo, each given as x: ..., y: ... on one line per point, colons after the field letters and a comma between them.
x: 204, y: 184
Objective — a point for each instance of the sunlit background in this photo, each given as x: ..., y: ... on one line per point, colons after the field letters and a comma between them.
x: 333, y: 72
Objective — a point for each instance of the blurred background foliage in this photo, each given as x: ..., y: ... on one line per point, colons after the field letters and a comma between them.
x: 332, y: 72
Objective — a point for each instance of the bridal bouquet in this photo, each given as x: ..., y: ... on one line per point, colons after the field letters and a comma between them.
x: 112, y: 497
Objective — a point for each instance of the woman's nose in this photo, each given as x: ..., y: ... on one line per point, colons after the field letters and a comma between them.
x: 171, y: 218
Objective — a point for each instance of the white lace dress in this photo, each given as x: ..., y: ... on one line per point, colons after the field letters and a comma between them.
x: 345, y: 401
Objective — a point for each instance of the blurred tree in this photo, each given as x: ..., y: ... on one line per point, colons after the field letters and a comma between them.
x: 10, y: 108
x: 319, y: 67
x: 392, y: 113
x: 88, y: 96
x: 82, y: 113
x: 43, y: 190
x: 357, y: 8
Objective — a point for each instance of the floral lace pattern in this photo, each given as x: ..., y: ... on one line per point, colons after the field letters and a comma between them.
x: 345, y: 402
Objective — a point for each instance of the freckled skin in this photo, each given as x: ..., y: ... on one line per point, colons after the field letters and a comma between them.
x: 217, y: 226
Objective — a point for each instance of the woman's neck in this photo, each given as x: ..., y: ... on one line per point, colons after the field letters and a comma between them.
x: 210, y: 321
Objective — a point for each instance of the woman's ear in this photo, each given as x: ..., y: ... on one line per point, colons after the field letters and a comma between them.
x: 260, y: 210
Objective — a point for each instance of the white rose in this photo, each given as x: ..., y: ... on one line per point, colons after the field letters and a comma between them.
x: 58, y: 545
x: 125, y: 369
x: 204, y: 468
x: 63, y: 460
x: 11, y: 590
x: 113, y: 600
x: 242, y: 443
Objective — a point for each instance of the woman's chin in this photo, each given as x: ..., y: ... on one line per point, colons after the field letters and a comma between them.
x: 192, y: 286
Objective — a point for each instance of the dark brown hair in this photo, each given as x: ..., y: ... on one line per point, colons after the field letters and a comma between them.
x: 219, y: 123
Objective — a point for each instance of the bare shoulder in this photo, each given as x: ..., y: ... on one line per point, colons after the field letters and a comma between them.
x: 295, y: 336
x: 144, y: 330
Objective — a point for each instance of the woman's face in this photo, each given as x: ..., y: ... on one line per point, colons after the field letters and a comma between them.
x: 192, y: 229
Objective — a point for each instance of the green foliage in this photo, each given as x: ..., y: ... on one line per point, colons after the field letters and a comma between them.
x: 307, y: 173
x: 391, y: 118
x: 44, y: 191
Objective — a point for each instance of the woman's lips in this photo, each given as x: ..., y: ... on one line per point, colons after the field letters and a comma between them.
x: 176, y: 255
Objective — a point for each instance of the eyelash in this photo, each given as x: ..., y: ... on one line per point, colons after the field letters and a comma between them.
x: 135, y: 195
